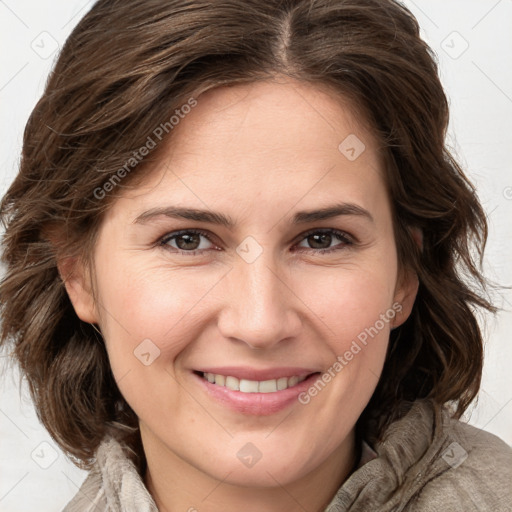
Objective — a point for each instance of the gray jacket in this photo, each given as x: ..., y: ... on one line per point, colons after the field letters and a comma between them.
x: 425, y: 463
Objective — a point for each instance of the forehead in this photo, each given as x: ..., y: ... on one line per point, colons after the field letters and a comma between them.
x: 264, y: 142
x: 278, y: 119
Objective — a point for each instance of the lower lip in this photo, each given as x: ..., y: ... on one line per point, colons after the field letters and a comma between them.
x: 258, y: 404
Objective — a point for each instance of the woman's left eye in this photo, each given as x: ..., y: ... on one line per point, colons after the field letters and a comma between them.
x: 323, y: 241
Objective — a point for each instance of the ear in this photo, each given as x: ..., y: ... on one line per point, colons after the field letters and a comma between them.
x: 77, y: 281
x: 405, y: 295
x: 407, y: 286
x: 417, y: 235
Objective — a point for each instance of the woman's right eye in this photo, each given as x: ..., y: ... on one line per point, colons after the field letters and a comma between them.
x: 188, y: 241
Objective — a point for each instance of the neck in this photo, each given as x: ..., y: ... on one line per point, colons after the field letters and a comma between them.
x: 177, y: 485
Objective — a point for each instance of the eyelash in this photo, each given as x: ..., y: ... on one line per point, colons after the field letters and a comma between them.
x: 345, y: 239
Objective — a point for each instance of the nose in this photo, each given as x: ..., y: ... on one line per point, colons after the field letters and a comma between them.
x: 260, y: 308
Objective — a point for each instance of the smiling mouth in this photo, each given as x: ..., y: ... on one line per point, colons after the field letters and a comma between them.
x: 253, y: 386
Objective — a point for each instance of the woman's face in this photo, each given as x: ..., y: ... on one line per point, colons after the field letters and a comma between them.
x: 257, y: 258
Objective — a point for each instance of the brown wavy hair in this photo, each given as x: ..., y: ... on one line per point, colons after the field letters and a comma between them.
x: 127, y: 66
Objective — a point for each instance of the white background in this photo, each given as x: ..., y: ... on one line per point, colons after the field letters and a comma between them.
x: 473, y: 40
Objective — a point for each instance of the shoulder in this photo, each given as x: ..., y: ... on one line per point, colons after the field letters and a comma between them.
x: 473, y: 472
x: 113, y: 483
x: 426, y: 461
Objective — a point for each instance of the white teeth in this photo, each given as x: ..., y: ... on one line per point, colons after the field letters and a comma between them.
x: 253, y: 386
x: 232, y: 383
x: 219, y: 379
x: 282, y: 383
x: 248, y: 386
x: 293, y: 381
x: 268, y: 386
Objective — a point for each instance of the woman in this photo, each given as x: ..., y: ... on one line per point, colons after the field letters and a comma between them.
x: 234, y: 256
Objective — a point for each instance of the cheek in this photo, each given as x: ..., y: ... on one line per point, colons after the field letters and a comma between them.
x: 162, y: 305
x: 350, y: 300
x: 149, y: 319
x: 356, y: 307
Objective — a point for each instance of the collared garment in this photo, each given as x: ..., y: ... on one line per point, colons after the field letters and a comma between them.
x: 426, y: 462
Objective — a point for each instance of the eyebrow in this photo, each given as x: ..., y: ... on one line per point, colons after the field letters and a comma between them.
x: 303, y: 217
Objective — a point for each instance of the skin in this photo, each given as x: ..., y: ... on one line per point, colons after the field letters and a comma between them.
x: 258, y: 153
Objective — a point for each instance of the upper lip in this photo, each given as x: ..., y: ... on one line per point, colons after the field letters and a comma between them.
x: 248, y: 373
